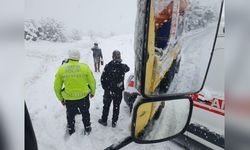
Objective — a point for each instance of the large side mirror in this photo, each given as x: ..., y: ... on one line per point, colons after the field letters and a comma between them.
x: 160, y: 120
x: 174, y: 43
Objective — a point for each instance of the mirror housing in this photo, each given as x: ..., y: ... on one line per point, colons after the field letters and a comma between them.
x: 160, y: 120
x: 172, y: 56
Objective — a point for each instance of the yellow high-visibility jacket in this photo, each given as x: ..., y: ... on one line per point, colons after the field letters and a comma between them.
x: 77, y: 79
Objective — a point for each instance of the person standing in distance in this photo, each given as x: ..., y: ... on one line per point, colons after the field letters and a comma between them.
x: 97, y: 56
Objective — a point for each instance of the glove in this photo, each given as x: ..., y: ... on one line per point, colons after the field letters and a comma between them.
x: 63, y: 103
x: 91, y: 96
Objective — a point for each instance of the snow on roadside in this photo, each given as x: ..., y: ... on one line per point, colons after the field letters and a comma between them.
x: 49, y: 116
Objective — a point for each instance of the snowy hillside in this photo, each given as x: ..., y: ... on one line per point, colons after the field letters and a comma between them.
x: 49, y: 116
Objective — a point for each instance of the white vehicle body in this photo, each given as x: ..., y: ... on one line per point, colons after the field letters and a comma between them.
x: 209, y: 105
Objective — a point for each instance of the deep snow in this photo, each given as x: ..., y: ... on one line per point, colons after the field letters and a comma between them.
x: 49, y: 116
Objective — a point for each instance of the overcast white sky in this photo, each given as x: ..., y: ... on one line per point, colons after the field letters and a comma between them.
x: 105, y: 16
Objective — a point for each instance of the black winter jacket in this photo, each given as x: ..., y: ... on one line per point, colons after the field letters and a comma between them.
x: 112, y: 78
x: 97, y: 52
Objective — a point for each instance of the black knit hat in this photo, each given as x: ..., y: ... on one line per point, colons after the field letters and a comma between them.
x: 116, y: 55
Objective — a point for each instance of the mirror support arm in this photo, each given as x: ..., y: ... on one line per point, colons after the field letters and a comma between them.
x: 120, y: 144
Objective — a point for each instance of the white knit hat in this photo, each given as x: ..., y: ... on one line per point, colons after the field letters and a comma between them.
x: 74, y: 54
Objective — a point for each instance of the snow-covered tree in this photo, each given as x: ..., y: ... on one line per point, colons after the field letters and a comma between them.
x: 53, y: 30
x: 30, y: 30
x: 47, y: 29
x: 198, y: 16
x: 76, y: 35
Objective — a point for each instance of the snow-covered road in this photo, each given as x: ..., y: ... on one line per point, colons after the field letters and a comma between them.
x: 49, y: 116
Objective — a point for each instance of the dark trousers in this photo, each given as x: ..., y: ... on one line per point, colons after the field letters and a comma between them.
x: 97, y: 61
x: 72, y: 108
x: 108, y: 97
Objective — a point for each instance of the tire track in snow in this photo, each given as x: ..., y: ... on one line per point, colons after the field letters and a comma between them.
x: 45, y: 60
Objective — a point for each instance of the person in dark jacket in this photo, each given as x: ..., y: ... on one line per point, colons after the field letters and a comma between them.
x: 112, y: 80
x: 97, y: 55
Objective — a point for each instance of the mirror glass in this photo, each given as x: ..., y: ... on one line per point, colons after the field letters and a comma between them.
x: 161, y: 119
x: 180, y: 39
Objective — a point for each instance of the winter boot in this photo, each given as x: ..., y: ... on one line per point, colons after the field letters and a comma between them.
x: 113, y: 124
x: 70, y: 131
x: 102, y: 122
x: 87, y: 130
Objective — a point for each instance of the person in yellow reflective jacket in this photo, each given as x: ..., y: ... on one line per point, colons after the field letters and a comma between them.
x: 79, y: 83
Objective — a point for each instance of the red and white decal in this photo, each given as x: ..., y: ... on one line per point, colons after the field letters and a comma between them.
x: 214, y: 105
